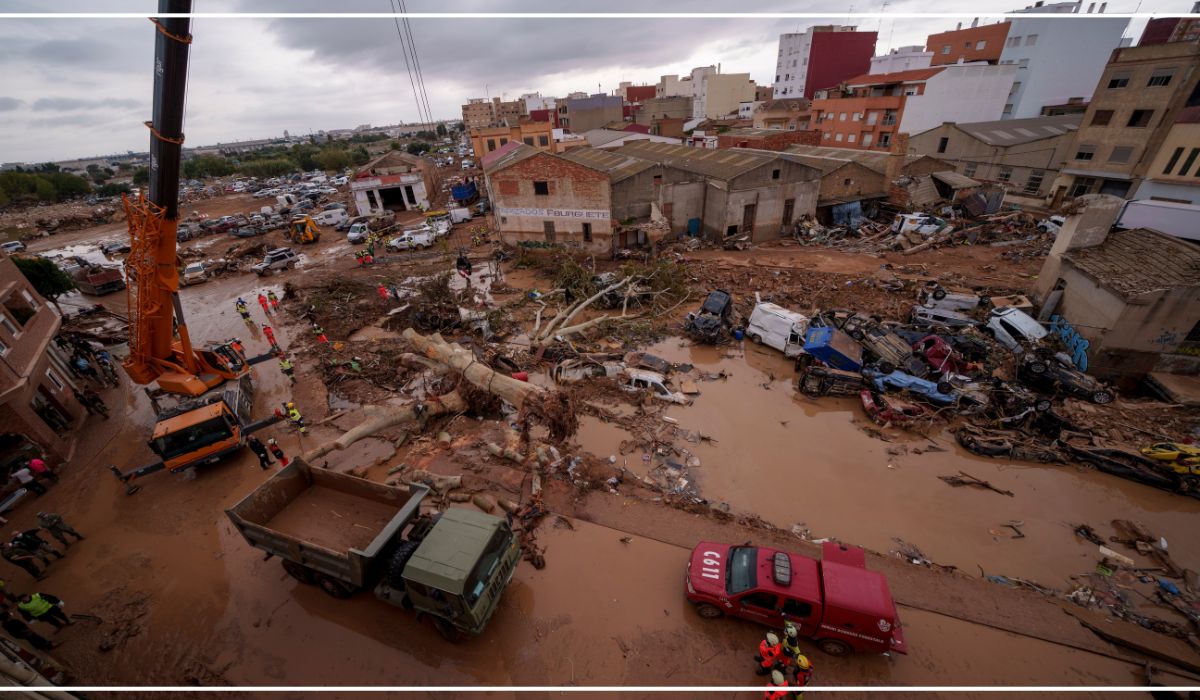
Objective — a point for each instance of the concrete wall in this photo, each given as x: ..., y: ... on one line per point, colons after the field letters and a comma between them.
x: 727, y: 201
x: 1087, y: 228
x: 959, y: 94
x: 1064, y: 61
x: 983, y: 43
x: 677, y: 107
x: 577, y: 195
x: 901, y: 59
x: 719, y: 94
x: 681, y: 201
x: 850, y: 181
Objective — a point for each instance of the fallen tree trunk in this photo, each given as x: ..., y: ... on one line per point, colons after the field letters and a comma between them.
x: 383, y: 417
x: 574, y: 311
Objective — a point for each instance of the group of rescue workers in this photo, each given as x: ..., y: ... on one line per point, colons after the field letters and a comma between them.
x: 777, y: 658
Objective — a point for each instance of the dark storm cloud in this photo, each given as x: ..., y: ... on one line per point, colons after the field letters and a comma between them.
x: 67, y: 104
x: 8, y: 104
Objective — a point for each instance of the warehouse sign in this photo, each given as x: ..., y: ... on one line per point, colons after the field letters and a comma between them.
x: 590, y: 214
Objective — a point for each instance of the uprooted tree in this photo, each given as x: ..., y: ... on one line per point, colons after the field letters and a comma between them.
x: 552, y: 409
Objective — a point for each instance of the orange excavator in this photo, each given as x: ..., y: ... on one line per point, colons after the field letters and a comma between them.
x: 200, y: 419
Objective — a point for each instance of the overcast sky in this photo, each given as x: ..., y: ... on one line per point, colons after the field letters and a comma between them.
x: 79, y: 87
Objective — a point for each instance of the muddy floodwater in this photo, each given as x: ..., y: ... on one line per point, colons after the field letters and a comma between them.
x: 799, y: 461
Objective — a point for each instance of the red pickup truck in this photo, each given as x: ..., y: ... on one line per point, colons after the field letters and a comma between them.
x: 835, y: 601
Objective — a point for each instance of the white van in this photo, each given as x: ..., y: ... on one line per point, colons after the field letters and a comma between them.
x: 1012, y: 328
x: 459, y: 215
x: 935, y: 316
x: 777, y: 327
x: 411, y: 240
x: 330, y: 217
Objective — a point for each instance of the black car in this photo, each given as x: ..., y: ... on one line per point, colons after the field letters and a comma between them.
x: 114, y: 247
x: 714, y: 318
x: 1054, y: 373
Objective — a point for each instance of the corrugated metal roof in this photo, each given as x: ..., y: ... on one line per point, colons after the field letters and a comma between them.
x: 500, y: 158
x: 875, y: 160
x: 599, y: 137
x: 618, y: 166
x: 722, y: 164
x: 1011, y: 132
x: 955, y: 180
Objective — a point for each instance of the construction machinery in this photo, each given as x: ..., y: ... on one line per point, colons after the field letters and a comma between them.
x: 302, y: 229
x: 160, y: 348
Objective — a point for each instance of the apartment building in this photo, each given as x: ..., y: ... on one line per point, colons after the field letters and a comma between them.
x: 718, y: 94
x: 1141, y: 95
x: 1174, y: 172
x: 38, y: 410
x: 901, y: 59
x: 867, y: 110
x: 1056, y: 58
x: 580, y: 114
x: 821, y: 57
x: 479, y: 112
x: 786, y: 114
x: 975, y: 43
x: 535, y: 134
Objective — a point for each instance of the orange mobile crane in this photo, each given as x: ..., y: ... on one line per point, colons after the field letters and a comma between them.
x: 205, y: 420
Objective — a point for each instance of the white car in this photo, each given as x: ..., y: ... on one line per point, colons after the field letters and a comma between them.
x: 195, y: 273
x: 921, y: 223
x: 655, y: 383
x: 411, y: 240
x: 358, y: 232
x: 339, y: 181
x: 1051, y: 225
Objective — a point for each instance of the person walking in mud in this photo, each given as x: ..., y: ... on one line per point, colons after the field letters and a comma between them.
x: 269, y: 334
x: 22, y: 558
x: 30, y: 541
x: 40, y: 470
x: 57, y: 527
x: 260, y: 450
x: 271, y: 297
x: 242, y: 309
x: 262, y: 301
x: 320, y: 333
x: 93, y: 402
x: 17, y: 629
x: 288, y: 369
x: 44, y: 607
x: 294, y: 416
x: 277, y: 452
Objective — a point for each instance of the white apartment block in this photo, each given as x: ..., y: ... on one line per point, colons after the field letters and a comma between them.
x: 901, y: 59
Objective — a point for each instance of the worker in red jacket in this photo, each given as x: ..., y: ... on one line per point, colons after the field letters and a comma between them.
x: 777, y: 688
x: 769, y: 651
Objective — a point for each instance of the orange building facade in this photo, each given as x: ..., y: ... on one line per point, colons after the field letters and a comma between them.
x: 971, y: 44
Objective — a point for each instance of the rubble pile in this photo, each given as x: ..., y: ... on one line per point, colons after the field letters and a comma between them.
x: 49, y: 219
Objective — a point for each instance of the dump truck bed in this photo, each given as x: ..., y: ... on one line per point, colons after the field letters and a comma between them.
x: 333, y: 523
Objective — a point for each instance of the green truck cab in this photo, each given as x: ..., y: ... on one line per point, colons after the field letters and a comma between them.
x: 347, y: 534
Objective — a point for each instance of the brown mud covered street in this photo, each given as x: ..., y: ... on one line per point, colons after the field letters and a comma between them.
x: 182, y: 599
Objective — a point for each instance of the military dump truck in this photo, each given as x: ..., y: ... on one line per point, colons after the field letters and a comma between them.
x: 347, y: 534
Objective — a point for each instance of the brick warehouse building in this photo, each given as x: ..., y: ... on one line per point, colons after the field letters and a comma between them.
x: 538, y: 196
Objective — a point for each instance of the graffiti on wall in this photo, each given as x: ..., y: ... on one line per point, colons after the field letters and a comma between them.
x: 1077, y: 346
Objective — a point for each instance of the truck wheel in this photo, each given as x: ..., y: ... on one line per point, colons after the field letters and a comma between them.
x: 939, y: 294
x: 756, y: 338
x: 887, y: 367
x: 857, y: 334
x: 1102, y: 397
x: 1038, y: 367
x: 834, y: 647
x: 395, y: 573
x: 334, y: 587
x: 711, y: 612
x: 944, y: 387
x: 448, y: 631
x: 300, y: 572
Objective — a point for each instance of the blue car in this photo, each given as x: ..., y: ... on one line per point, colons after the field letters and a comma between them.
x: 940, y: 393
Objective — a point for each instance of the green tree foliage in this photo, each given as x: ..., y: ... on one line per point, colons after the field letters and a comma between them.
x: 333, y: 159
x: 141, y: 177
x: 460, y: 127
x: 427, y: 135
x: 207, y: 166
x: 42, y: 186
x: 46, y: 278
x: 441, y: 130
x: 396, y: 146
x: 113, y: 189
x: 273, y: 167
x: 417, y: 148
x: 359, y: 156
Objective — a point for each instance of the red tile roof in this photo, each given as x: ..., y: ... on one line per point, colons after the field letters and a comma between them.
x: 903, y: 76
x: 489, y: 158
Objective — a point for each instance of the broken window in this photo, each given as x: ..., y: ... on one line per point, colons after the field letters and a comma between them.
x: 1120, y: 154
x: 885, y: 139
x: 1161, y: 77
x: 541, y: 187
x: 1118, y: 80
x: 657, y: 180
x: 1085, y: 152
x: 1034, y: 183
x: 587, y: 233
x: 942, y: 143
x: 1140, y: 118
x: 1082, y: 186
x: 775, y: 174
x: 19, y: 308
x: 1101, y: 117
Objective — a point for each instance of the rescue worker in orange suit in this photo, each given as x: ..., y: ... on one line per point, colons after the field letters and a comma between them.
x: 777, y: 688
x: 769, y: 653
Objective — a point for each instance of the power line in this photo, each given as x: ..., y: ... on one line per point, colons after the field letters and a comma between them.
x: 412, y: 44
x: 407, y: 64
